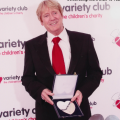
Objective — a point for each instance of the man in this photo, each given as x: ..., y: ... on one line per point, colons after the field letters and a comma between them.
x: 76, y: 51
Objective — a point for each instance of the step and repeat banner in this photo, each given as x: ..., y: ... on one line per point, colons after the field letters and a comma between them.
x: 19, y: 23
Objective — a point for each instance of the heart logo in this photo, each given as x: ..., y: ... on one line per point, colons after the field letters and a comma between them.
x: 66, y: 107
x: 118, y: 104
x: 0, y: 79
x: 117, y: 40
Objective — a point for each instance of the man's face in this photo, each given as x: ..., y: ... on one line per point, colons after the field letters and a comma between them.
x: 52, y: 20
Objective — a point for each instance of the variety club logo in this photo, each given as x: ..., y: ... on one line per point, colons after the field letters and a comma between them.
x: 116, y: 99
x: 86, y: 7
x: 92, y: 104
x: 12, y: 44
x: 18, y: 112
x: 12, y: 10
x: 11, y: 79
x: 9, y: 44
x: 116, y: 37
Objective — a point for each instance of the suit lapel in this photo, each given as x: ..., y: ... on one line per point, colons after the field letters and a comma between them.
x: 76, y: 48
x: 42, y: 51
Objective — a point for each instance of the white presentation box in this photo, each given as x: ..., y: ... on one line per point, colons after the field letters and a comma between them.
x: 64, y: 89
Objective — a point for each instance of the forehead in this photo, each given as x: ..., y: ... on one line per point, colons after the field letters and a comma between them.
x: 46, y: 10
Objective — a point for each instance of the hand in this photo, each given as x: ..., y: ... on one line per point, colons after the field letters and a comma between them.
x: 78, y: 97
x: 45, y: 96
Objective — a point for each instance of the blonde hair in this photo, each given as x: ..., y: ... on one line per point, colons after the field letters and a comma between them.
x: 49, y: 4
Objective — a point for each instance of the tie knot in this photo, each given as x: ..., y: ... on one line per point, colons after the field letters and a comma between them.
x: 56, y: 40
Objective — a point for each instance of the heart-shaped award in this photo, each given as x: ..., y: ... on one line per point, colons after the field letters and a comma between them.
x: 118, y: 104
x: 67, y: 107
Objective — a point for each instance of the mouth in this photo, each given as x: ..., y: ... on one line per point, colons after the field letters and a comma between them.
x: 54, y: 23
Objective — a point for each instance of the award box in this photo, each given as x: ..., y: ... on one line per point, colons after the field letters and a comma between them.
x: 64, y: 89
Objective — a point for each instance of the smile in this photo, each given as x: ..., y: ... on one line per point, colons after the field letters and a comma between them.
x: 53, y: 23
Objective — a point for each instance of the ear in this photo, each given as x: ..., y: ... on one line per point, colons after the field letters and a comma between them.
x: 61, y: 15
x: 41, y: 22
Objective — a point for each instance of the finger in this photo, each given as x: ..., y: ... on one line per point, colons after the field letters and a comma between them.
x: 47, y: 99
x: 75, y: 96
x: 42, y: 97
x: 79, y: 101
x: 43, y: 92
x: 48, y: 92
x: 73, y: 99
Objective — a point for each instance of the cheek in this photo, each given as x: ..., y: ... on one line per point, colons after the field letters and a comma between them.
x: 58, y: 17
x: 45, y: 21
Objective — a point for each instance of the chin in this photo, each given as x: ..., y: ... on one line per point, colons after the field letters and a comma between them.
x: 54, y: 30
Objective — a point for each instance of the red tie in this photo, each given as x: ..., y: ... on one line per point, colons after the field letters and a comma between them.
x: 57, y: 57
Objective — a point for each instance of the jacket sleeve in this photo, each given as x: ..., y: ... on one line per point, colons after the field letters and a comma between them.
x: 94, y: 73
x: 29, y: 79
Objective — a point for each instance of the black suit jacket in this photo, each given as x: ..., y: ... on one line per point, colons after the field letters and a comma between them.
x: 39, y: 74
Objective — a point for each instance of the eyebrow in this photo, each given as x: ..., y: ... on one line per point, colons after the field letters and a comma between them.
x: 48, y: 13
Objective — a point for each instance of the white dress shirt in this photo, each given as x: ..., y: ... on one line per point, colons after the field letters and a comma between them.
x: 64, y: 45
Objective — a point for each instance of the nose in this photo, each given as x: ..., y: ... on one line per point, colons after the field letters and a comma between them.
x: 51, y: 17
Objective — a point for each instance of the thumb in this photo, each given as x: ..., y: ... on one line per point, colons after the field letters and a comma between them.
x: 73, y: 99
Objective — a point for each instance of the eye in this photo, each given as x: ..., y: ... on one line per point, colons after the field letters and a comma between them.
x: 55, y: 12
x: 46, y: 15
